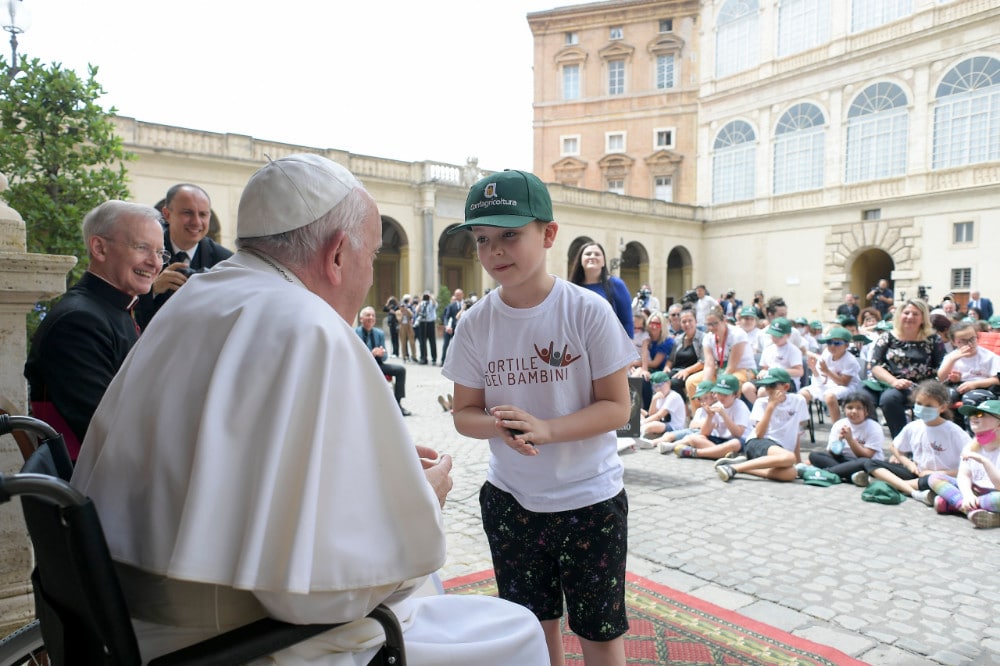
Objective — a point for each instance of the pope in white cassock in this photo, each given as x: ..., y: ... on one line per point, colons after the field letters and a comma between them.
x: 249, y: 459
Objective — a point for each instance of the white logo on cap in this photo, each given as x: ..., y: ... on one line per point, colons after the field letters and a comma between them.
x: 490, y: 191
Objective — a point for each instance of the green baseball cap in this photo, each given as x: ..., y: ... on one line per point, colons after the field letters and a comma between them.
x: 837, y: 333
x: 748, y: 311
x: 779, y: 327
x: 726, y: 385
x: 508, y: 199
x: 994, y: 321
x: 801, y: 321
x: 991, y: 407
x: 775, y: 376
x: 816, y: 325
x: 659, y: 378
x: 703, y: 388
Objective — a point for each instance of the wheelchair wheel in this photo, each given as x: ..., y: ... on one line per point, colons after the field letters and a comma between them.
x: 24, y: 646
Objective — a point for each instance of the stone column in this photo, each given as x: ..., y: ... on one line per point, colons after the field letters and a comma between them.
x: 25, y: 279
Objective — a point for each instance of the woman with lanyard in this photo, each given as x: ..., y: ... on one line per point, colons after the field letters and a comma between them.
x: 726, y: 350
x: 590, y: 272
x: 902, y: 358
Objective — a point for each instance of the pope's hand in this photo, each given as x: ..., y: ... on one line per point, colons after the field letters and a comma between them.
x: 437, y: 469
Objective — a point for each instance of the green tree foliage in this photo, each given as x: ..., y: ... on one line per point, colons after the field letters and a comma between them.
x: 60, y: 153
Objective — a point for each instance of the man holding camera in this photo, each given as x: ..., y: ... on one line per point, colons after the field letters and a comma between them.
x: 644, y: 300
x: 881, y: 297
x: 187, y: 210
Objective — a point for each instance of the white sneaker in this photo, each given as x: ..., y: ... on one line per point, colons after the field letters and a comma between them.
x: 666, y: 447
x: 730, y: 461
x: 925, y: 496
x: 643, y: 443
x: 860, y: 478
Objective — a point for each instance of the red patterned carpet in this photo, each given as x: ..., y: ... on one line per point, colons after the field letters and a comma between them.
x: 670, y: 627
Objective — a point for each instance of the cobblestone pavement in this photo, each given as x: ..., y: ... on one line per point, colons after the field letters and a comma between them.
x: 885, y: 584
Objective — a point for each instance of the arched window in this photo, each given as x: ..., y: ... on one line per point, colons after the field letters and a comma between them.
x: 867, y: 14
x: 967, y: 114
x: 798, y: 149
x: 876, y: 134
x: 802, y: 24
x: 737, y: 37
x: 733, y: 160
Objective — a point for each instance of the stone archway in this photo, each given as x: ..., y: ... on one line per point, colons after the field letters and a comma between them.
x: 634, y: 269
x: 678, y: 274
x: 457, y: 266
x: 858, y: 255
x: 391, y: 263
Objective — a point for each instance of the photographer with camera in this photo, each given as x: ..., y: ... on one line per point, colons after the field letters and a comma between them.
x: 644, y: 300
x: 186, y: 211
x: 881, y: 297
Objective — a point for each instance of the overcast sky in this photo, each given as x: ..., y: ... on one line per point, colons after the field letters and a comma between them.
x: 439, y: 80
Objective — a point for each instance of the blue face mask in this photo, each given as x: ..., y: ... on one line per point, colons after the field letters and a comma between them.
x: 926, y: 413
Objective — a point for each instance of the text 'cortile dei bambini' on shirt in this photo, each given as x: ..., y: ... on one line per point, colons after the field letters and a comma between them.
x: 547, y: 365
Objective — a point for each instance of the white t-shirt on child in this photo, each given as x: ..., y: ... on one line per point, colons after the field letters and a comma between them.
x: 976, y: 470
x: 784, y: 424
x: 868, y: 434
x: 544, y: 360
x: 934, y: 447
x: 738, y: 413
x: 674, y: 404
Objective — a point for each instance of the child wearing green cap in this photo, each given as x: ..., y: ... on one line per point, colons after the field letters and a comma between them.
x: 666, y: 409
x: 772, y: 450
x: 722, y: 433
x: 975, y: 490
x: 540, y: 367
x: 700, y: 402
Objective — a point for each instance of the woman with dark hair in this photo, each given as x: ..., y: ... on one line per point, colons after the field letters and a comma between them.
x: 590, y: 271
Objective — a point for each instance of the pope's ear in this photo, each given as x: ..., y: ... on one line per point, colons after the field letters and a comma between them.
x: 334, y: 257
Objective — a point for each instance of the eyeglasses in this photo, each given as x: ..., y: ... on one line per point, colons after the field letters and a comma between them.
x: 979, y: 415
x: 143, y: 248
x: 674, y: 314
x: 966, y: 341
x: 836, y: 343
x: 654, y: 324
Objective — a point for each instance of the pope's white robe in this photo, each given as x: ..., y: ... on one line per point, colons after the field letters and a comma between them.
x: 249, y: 459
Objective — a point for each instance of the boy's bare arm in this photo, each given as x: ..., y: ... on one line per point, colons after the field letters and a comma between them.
x: 469, y: 413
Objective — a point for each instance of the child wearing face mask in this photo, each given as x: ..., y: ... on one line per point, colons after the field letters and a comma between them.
x: 974, y: 492
x: 934, y: 444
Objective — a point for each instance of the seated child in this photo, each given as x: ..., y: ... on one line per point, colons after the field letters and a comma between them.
x: 722, y: 432
x: 934, y: 442
x: 702, y: 398
x: 781, y: 354
x: 853, y: 439
x: 777, y: 419
x: 666, y: 408
x: 974, y: 492
x: 835, y: 373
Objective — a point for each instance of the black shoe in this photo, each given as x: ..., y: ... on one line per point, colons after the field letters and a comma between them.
x: 424, y: 362
x: 404, y: 411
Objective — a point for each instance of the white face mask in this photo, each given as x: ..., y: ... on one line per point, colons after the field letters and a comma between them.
x: 926, y: 413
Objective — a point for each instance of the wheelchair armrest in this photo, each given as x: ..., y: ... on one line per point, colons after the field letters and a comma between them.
x: 268, y: 635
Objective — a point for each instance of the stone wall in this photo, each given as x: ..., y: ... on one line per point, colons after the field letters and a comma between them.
x: 25, y: 279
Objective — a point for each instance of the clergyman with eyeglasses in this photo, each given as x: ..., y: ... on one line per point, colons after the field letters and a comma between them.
x: 83, y: 340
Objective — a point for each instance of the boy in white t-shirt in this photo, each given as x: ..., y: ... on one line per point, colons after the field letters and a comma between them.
x: 835, y: 372
x: 540, y: 370
x: 702, y: 399
x: 781, y: 354
x: 722, y: 434
x: 666, y: 410
x: 777, y: 419
x: 969, y: 366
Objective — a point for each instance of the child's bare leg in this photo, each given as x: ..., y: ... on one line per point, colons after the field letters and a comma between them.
x: 603, y: 653
x: 905, y: 487
x: 715, y: 451
x: 553, y: 639
x: 749, y: 392
x: 653, y: 428
x: 778, y: 464
x: 833, y: 406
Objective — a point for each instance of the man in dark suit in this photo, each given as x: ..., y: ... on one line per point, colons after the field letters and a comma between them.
x: 84, y: 339
x: 450, y: 320
x: 984, y: 305
x: 374, y: 339
x: 187, y: 211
